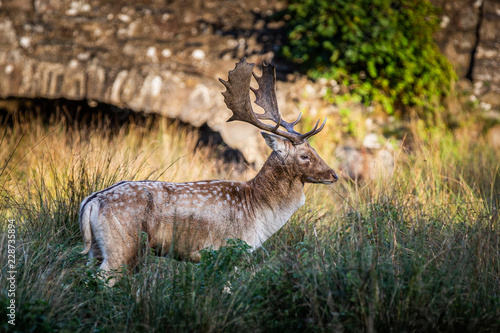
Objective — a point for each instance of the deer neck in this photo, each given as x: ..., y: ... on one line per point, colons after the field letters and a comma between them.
x: 277, y: 193
x: 276, y: 181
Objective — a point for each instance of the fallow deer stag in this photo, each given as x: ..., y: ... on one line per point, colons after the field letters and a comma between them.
x: 183, y: 218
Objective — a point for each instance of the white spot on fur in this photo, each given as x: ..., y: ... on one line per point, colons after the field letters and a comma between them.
x: 25, y: 42
x: 166, y: 53
x: 9, y: 69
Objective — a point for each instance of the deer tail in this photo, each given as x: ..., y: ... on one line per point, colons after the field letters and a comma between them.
x: 88, y: 214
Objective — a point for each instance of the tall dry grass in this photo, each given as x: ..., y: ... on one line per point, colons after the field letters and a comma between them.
x: 417, y: 251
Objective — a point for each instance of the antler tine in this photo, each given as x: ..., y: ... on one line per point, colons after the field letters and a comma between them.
x: 289, y: 126
x: 314, y: 131
x: 298, y: 119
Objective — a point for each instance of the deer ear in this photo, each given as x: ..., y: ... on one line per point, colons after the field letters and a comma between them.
x: 276, y: 143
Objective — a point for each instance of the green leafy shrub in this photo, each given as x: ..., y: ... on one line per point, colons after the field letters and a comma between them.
x: 219, y: 266
x: 382, y: 50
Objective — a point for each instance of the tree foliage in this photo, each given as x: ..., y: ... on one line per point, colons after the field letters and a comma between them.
x: 383, y: 50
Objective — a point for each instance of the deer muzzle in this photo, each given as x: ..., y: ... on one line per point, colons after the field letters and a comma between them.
x: 329, y: 177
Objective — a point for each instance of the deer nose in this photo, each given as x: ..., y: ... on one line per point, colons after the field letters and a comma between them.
x: 335, y: 177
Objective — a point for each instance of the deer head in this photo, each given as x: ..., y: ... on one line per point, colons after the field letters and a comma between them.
x: 291, y: 147
x: 300, y: 160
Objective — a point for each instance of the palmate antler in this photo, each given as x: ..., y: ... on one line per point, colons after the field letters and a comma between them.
x: 237, y: 99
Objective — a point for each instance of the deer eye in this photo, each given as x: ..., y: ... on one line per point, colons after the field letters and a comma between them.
x: 304, y: 157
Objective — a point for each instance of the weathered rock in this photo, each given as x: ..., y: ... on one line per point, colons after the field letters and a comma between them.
x: 487, y: 62
x: 458, y: 35
x: 470, y: 38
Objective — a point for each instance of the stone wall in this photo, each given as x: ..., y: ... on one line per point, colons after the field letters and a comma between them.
x: 151, y: 56
x: 470, y: 38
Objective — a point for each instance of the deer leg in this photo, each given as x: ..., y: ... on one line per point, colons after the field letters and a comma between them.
x: 123, y: 254
x: 107, y: 276
x: 116, y: 252
x: 94, y: 254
